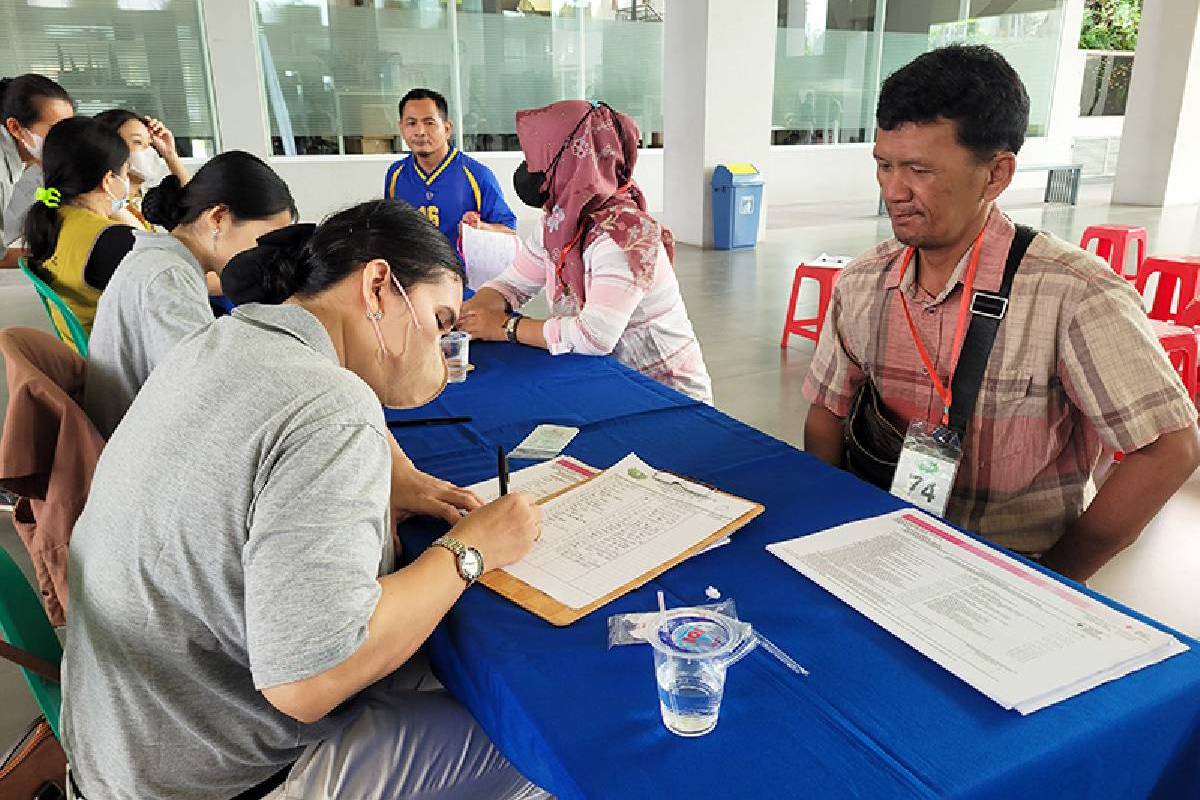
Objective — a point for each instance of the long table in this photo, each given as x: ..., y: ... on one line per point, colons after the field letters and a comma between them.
x: 874, y: 720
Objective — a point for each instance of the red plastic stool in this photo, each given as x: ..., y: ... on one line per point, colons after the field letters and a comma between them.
x: 825, y: 275
x: 1181, y: 346
x: 1174, y: 272
x: 1190, y: 316
x: 1112, y: 243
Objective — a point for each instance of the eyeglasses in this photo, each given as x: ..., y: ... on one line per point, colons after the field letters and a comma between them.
x: 689, y: 487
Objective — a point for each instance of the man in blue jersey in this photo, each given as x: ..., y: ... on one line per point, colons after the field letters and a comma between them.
x: 443, y: 183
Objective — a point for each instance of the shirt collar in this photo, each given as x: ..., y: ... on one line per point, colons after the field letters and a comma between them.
x: 150, y: 240
x: 998, y: 232
x: 431, y: 177
x: 293, y: 320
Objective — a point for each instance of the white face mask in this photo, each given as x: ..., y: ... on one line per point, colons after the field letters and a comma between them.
x: 119, y: 203
x: 148, y: 166
x: 33, y: 143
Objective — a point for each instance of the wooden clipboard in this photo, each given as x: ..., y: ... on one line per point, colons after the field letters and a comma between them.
x: 560, y: 614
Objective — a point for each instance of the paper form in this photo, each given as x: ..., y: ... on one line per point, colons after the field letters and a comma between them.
x: 540, y: 480
x: 486, y: 254
x: 612, y: 530
x: 1017, y: 635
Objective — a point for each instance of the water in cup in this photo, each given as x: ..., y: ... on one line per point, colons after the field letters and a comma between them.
x: 455, y: 348
x: 689, y: 695
x: 692, y: 649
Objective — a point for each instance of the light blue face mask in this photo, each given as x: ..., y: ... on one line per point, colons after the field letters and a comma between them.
x: 119, y: 203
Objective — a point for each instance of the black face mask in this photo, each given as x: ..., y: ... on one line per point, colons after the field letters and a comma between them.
x: 528, y: 186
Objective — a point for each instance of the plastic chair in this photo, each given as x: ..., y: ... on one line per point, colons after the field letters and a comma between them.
x: 810, y: 327
x: 1112, y: 243
x: 1174, y: 272
x: 52, y: 302
x: 1190, y: 316
x: 1181, y: 347
x: 24, y: 625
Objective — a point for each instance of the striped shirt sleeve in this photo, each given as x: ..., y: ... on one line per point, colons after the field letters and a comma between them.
x: 835, y: 374
x: 612, y: 297
x: 1114, y: 371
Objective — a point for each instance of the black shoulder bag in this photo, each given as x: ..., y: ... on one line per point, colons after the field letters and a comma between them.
x: 872, y: 442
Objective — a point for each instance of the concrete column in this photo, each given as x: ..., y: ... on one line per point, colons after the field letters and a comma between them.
x: 1160, y: 148
x: 718, y: 85
x: 231, y: 35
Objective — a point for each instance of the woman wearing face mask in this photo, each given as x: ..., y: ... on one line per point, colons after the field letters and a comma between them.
x: 159, y: 296
x: 30, y: 105
x: 73, y: 243
x: 152, y: 157
x: 606, y: 265
x: 231, y: 586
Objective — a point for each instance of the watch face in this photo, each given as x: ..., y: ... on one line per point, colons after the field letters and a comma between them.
x: 471, y: 564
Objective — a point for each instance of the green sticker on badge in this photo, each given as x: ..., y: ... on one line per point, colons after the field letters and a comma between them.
x: 928, y: 467
x: 637, y: 474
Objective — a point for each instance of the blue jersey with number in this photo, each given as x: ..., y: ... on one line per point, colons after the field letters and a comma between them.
x: 458, y: 185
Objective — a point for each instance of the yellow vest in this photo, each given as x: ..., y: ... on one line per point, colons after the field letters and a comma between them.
x: 80, y: 230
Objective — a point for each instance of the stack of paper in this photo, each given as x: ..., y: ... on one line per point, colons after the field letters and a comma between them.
x: 1022, y: 638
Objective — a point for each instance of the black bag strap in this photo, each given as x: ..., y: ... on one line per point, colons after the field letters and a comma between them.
x: 987, y: 311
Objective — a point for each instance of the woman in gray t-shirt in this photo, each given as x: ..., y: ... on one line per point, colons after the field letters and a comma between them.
x: 234, y: 624
x: 158, y: 295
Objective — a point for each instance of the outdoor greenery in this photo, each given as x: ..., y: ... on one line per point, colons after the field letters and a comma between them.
x: 1110, y: 25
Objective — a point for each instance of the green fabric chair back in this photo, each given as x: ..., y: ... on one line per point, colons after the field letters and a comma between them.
x: 24, y: 624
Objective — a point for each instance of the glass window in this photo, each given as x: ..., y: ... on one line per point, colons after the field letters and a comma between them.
x: 104, y: 53
x: 336, y: 69
x: 832, y: 55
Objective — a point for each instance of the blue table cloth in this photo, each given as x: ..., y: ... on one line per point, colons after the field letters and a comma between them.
x: 874, y: 720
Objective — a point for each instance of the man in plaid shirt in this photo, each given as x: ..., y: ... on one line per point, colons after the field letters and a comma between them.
x: 1075, y: 368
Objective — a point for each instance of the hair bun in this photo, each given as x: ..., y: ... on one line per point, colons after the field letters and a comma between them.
x: 163, y: 205
x: 272, y: 271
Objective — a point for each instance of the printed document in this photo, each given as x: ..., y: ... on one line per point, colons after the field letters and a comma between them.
x: 1014, y: 633
x: 540, y: 480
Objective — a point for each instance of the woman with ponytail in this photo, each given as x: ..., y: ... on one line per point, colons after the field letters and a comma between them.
x: 73, y: 244
x: 159, y: 295
x: 234, y: 602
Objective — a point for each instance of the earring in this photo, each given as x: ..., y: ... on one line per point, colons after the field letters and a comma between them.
x: 216, y: 233
x: 375, y: 316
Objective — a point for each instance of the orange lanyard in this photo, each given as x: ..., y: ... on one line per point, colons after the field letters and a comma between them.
x: 960, y: 331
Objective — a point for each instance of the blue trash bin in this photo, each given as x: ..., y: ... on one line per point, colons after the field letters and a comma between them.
x: 737, y: 191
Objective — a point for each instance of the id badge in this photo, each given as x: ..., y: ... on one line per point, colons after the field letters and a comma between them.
x: 927, y: 467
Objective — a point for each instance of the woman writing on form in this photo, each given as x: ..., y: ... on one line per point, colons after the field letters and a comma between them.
x: 236, y: 629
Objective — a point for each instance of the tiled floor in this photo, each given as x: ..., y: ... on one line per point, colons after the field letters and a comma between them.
x: 737, y: 302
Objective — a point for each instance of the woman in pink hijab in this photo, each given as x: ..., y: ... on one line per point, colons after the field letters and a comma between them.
x: 606, y: 265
